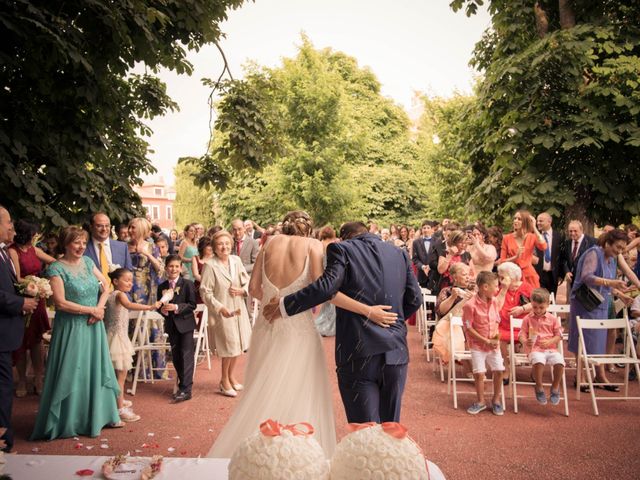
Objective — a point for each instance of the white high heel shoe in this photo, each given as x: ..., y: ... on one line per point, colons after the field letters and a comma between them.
x: 228, y: 393
x: 238, y: 387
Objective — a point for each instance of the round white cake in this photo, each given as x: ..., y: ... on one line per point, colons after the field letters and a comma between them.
x: 372, y: 453
x: 284, y: 456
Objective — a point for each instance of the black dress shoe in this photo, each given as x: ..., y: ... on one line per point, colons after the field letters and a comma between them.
x: 182, y: 397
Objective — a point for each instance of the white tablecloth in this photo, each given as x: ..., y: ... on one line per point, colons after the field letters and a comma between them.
x: 63, y: 467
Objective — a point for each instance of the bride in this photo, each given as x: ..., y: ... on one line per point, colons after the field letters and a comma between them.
x: 286, y: 378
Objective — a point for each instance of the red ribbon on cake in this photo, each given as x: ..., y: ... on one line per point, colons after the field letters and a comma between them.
x: 395, y: 429
x: 271, y: 428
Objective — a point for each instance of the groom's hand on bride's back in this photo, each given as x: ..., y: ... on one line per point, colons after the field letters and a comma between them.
x: 271, y: 311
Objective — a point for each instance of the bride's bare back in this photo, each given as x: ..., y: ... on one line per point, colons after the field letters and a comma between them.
x: 284, y: 258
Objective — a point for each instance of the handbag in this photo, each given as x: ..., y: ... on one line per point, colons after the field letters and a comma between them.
x: 590, y: 298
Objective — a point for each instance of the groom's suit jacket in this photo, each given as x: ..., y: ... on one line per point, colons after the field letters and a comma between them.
x: 119, y: 254
x: 373, y: 272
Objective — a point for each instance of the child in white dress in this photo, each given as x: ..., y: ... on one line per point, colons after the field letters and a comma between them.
x: 116, y: 322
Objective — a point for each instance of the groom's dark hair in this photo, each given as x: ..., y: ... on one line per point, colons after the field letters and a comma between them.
x: 352, y: 229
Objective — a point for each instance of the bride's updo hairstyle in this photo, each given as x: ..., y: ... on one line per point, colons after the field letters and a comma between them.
x: 297, y: 223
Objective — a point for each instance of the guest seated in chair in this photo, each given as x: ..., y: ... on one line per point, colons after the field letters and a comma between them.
x: 516, y: 304
x: 540, y: 334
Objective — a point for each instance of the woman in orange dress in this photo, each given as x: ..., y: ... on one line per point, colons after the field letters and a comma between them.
x: 518, y: 246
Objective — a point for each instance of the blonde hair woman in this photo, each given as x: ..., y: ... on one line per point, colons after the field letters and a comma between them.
x: 145, y: 258
x: 223, y: 289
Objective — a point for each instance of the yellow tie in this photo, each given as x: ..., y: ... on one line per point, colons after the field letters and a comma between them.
x: 104, y: 264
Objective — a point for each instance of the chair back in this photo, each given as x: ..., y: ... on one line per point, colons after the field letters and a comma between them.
x: 557, y: 308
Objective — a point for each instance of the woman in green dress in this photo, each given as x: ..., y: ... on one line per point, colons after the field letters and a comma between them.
x: 80, y: 386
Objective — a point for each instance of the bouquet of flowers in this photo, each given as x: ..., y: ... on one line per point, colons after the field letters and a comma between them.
x: 36, y: 287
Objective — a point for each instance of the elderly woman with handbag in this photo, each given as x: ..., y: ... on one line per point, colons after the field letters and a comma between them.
x: 593, y: 286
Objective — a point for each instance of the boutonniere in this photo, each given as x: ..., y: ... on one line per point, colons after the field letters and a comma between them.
x: 177, y: 290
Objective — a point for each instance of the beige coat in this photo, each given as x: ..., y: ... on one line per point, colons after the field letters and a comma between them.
x: 232, y: 335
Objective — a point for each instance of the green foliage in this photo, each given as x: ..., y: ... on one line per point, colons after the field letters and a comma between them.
x: 73, y: 113
x: 314, y: 134
x: 555, y: 125
x: 192, y: 204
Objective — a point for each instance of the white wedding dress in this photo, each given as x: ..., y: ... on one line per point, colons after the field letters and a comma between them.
x: 286, y: 378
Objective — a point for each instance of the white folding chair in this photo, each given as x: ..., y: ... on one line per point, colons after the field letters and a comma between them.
x: 558, y: 309
x: 429, y: 320
x: 521, y: 360
x: 201, y: 337
x: 143, y: 346
x: 627, y: 357
x: 460, y: 355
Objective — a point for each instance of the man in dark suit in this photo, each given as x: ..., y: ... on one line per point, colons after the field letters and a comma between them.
x: 548, y: 261
x: 572, y: 250
x: 421, y: 247
x: 102, y: 249
x: 12, y: 308
x: 179, y: 323
x: 371, y: 360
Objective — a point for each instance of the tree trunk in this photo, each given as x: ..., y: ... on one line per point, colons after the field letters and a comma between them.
x: 567, y: 15
x: 578, y: 211
x: 542, y: 22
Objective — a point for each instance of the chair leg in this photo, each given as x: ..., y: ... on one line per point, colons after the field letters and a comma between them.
x: 591, y: 390
x: 455, y: 386
x: 564, y: 393
x: 426, y: 343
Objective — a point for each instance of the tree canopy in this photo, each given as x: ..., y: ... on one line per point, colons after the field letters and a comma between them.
x: 314, y: 133
x: 556, y: 122
x: 73, y: 111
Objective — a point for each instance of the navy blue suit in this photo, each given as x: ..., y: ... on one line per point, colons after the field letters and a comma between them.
x: 119, y: 254
x: 371, y: 361
x: 11, y: 333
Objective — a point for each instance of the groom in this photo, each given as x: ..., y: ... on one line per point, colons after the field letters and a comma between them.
x: 371, y: 360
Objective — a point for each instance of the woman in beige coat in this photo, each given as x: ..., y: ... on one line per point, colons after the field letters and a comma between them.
x: 223, y: 289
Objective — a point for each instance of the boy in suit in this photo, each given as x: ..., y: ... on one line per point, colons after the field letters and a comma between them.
x: 179, y: 323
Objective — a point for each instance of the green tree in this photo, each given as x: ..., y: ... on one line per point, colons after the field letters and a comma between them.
x: 317, y: 134
x: 192, y: 204
x: 556, y: 122
x: 71, y: 135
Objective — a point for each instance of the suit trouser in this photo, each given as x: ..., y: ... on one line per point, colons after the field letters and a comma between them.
x: 182, y: 352
x: 371, y: 390
x: 547, y: 281
x: 6, y: 397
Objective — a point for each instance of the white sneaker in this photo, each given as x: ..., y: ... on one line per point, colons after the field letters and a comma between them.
x: 127, y: 415
x: 127, y: 403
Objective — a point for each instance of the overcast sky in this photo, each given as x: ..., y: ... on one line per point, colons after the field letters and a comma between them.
x: 408, y: 44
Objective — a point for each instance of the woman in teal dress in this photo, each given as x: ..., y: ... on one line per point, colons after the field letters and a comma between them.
x: 188, y: 250
x: 80, y: 386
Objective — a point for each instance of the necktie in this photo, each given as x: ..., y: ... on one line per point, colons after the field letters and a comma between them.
x: 238, y: 247
x: 547, y: 252
x: 574, y: 252
x: 104, y: 263
x: 6, y: 259
x: 172, y: 284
